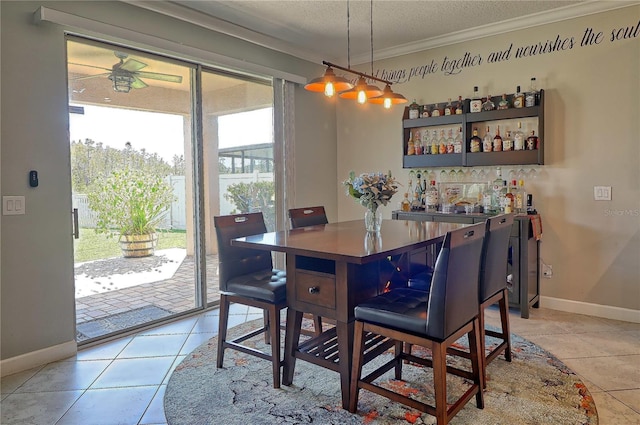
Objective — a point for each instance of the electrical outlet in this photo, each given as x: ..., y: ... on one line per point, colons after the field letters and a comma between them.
x: 602, y: 193
x: 547, y: 270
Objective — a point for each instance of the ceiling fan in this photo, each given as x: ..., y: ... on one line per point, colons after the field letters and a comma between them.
x: 126, y: 75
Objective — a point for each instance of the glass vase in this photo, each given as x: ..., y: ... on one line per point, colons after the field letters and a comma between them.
x: 372, y: 220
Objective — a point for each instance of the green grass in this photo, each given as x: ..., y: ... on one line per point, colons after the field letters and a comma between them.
x: 93, y: 246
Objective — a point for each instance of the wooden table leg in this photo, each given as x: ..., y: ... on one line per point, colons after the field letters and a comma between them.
x: 291, y: 338
x: 345, y: 347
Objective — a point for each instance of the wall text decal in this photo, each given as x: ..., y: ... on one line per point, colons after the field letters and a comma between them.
x: 454, y: 66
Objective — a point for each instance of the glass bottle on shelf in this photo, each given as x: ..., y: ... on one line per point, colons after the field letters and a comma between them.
x: 497, y: 140
x: 518, y: 138
x: 450, y: 142
x: 442, y: 143
x: 449, y: 109
x: 411, y: 149
x: 417, y: 142
x: 426, y: 112
x: 487, y: 141
x: 518, y: 99
x: 434, y: 143
x: 507, y: 142
x: 415, y: 203
x: 488, y: 104
x: 406, y: 205
x: 459, y: 106
x: 414, y: 110
x: 504, y: 102
x: 435, y: 112
x: 426, y: 143
x: 431, y: 199
x: 521, y: 198
x: 475, y: 142
x: 496, y: 191
x: 476, y: 101
x: 532, y: 94
x: 532, y: 141
x: 457, y: 142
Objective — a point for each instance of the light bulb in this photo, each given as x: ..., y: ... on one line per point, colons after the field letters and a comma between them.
x: 362, y: 96
x: 387, y: 103
x: 329, y: 89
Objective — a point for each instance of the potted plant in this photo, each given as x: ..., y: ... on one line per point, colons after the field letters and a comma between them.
x: 131, y: 203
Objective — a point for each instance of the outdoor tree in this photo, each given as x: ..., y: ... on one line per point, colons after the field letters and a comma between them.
x: 252, y: 197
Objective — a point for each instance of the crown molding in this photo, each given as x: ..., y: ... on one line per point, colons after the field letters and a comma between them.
x: 556, y: 15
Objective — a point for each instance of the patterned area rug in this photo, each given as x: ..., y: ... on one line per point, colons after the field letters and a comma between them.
x: 535, y: 388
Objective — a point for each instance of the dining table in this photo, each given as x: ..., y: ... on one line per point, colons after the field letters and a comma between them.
x: 331, y: 268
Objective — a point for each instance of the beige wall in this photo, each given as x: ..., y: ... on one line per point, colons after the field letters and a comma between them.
x: 592, y: 117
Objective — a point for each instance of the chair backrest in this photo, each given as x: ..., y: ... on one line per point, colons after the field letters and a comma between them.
x: 310, y: 216
x: 453, y: 300
x: 495, y: 254
x: 236, y: 261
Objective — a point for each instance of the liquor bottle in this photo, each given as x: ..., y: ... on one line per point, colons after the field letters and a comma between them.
x: 532, y: 141
x: 417, y: 142
x: 496, y: 192
x: 504, y: 102
x: 457, y: 142
x: 442, y: 143
x: 411, y: 149
x: 459, y: 106
x: 510, y: 204
x: 518, y: 99
x: 521, y: 198
x: 414, y: 110
x: 434, y: 143
x: 497, y: 140
x: 487, y: 141
x: 431, y: 199
x: 507, y: 142
x: 426, y: 143
x: 488, y: 104
x: 518, y: 139
x: 532, y: 94
x: 449, y: 109
x: 476, y: 101
x: 475, y: 142
x: 406, y: 205
x: 435, y: 112
x: 504, y: 199
x: 450, y: 142
x: 415, y: 203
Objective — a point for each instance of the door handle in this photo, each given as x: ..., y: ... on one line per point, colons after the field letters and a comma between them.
x: 76, y: 228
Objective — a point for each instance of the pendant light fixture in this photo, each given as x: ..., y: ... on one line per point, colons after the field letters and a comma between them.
x: 363, y: 92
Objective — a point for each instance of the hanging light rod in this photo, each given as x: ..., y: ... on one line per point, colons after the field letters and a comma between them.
x: 362, y: 74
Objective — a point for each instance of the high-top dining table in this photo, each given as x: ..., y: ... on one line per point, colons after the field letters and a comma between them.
x: 331, y: 268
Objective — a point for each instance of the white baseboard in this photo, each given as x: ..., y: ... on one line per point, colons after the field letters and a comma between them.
x: 37, y: 358
x: 597, y: 310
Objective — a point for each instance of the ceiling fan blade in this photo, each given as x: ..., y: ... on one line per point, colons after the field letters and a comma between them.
x: 157, y: 76
x: 132, y: 65
x: 90, y: 66
x: 138, y: 83
x: 89, y: 76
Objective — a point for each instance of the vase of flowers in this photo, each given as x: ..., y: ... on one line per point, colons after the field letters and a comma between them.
x: 371, y: 190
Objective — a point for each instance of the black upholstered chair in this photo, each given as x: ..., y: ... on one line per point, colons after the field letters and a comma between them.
x: 434, y: 319
x: 303, y: 217
x: 247, y: 277
x: 493, y: 287
x: 310, y: 216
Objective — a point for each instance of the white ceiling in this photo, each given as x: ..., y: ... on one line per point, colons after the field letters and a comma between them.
x: 319, y: 30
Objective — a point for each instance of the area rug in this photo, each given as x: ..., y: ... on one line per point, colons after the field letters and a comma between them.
x: 535, y: 388
x: 119, y: 321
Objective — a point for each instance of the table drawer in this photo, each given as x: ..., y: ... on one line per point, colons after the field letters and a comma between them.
x: 316, y: 288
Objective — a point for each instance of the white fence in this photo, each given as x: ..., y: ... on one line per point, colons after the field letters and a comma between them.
x: 176, y: 217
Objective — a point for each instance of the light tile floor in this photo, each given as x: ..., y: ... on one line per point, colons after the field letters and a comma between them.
x: 123, y: 381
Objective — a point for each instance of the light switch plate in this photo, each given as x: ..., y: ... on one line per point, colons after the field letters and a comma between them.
x: 12, y: 205
x: 602, y: 193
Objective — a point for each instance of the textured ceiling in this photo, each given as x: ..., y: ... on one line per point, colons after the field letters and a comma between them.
x: 318, y: 29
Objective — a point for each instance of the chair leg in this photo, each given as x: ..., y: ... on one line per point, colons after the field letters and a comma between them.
x: 222, y: 328
x: 504, y: 318
x: 482, y: 339
x: 439, y: 353
x: 477, y: 360
x: 274, y: 336
x: 267, y: 324
x: 356, y: 368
